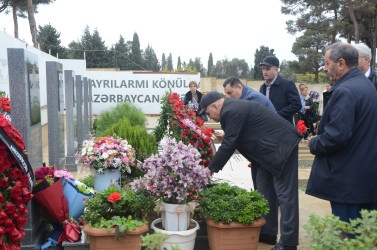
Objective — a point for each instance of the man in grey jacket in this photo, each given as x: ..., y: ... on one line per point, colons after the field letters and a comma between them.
x: 269, y: 141
x: 364, y: 63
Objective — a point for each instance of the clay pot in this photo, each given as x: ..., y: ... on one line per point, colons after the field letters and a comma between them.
x: 102, y: 239
x: 234, y: 235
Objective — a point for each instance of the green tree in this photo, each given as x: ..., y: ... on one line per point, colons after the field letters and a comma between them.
x: 49, y: 40
x: 179, y: 64
x: 163, y: 61
x: 170, y: 63
x: 210, y: 64
x: 150, y: 59
x: 310, y: 48
x: 199, y: 66
x: 259, y: 55
x: 122, y: 54
x: 97, y: 54
x: 136, y: 57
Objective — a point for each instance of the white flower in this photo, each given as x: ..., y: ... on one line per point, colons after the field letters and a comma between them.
x: 90, y: 149
x: 83, y: 152
x: 105, y: 156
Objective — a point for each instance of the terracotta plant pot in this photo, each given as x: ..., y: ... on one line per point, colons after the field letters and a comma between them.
x: 234, y: 235
x: 102, y: 239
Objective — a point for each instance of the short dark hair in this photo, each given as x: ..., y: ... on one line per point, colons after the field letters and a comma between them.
x: 345, y: 51
x: 233, y: 81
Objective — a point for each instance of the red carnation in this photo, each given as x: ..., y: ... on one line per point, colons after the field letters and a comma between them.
x: 209, y: 150
x: 22, y: 209
x: 3, y: 217
x: 187, y: 131
x: 183, y: 125
x: 15, y: 235
x: 15, y: 173
x: 114, y: 197
x: 15, y: 192
x: 26, y: 195
x: 4, y: 182
x: 21, y: 221
x: 9, y: 208
x: 201, y: 145
x: 301, y: 127
x: 8, y: 225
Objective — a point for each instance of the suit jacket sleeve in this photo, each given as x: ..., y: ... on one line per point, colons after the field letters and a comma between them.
x: 232, y: 122
x: 293, y: 100
x: 339, y: 124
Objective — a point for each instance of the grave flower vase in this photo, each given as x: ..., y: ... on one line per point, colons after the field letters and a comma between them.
x: 175, y: 217
x: 107, y: 178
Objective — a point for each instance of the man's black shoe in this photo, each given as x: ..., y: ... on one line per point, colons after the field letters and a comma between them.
x: 282, y: 247
x: 268, y: 239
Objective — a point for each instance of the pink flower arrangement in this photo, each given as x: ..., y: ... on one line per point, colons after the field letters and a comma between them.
x: 107, y: 153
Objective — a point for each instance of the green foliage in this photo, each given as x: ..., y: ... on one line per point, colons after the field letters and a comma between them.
x: 144, y: 144
x: 2, y: 94
x: 136, y: 58
x: 163, y: 62
x: 164, y: 124
x: 310, y: 78
x: 259, y: 55
x: 89, y: 181
x: 49, y: 40
x: 154, y: 241
x: 122, y: 225
x: 225, y: 203
x: 170, y: 63
x: 330, y: 232
x: 114, y: 115
x: 210, y: 64
x: 150, y: 59
x: 135, y: 204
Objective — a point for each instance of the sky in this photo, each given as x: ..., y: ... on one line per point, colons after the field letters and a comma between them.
x: 189, y: 29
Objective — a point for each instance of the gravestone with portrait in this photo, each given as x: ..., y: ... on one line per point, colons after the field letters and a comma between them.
x: 55, y: 114
x: 24, y: 94
x: 69, y: 82
x: 79, y: 109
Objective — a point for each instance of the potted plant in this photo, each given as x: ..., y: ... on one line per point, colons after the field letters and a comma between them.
x: 235, y: 212
x: 114, y: 218
x: 175, y: 179
x: 110, y: 157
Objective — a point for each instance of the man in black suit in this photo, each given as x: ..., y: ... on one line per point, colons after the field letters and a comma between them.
x: 266, y: 140
x: 282, y: 92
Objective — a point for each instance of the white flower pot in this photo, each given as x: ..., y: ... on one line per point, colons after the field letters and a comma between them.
x: 184, y: 239
x: 104, y: 180
x: 175, y: 217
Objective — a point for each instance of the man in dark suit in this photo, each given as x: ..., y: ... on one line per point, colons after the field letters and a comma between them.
x: 284, y: 96
x: 344, y: 169
x: 266, y: 140
x: 282, y: 92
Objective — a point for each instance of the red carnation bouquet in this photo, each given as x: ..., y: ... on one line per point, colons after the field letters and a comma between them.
x: 189, y: 129
x: 14, y: 186
x: 301, y: 127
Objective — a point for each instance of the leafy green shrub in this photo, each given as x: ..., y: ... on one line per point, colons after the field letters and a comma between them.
x: 137, y: 136
x: 114, y: 115
x: 330, y: 232
x: 154, y: 241
x: 225, y: 203
x: 89, y: 181
x: 130, y: 203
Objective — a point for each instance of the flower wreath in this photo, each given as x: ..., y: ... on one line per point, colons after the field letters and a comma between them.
x: 14, y: 187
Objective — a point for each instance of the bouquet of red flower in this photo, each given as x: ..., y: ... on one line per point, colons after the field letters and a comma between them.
x: 301, y: 127
x: 14, y: 183
x: 185, y: 126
